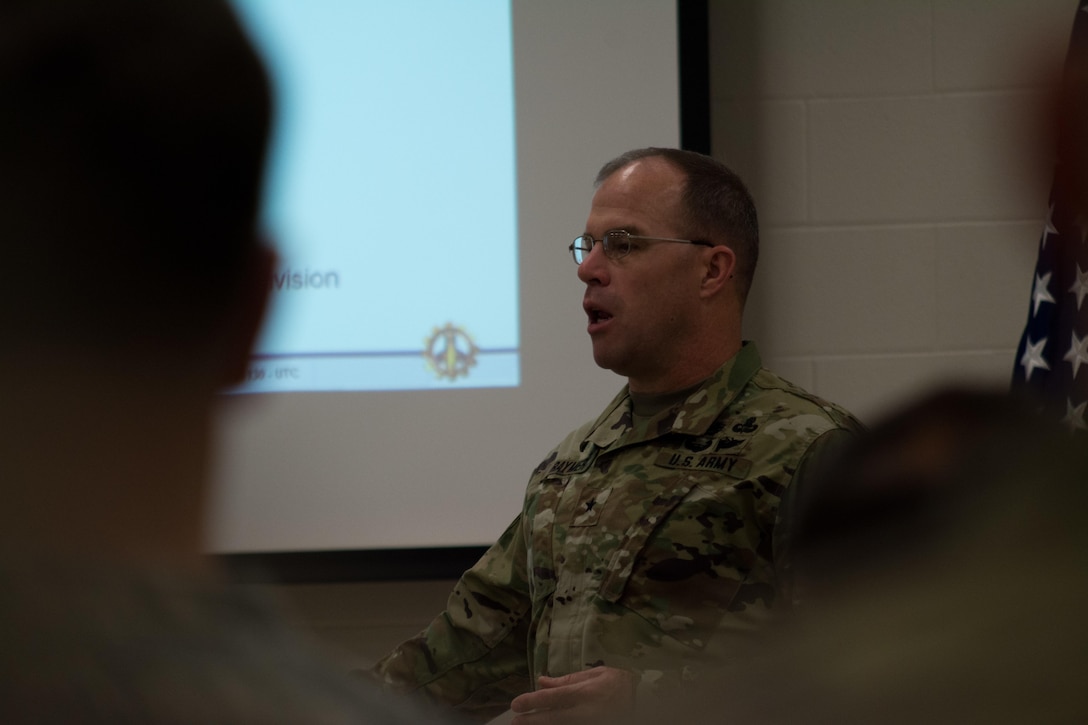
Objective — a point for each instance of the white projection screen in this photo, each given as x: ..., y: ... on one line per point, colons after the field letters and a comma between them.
x: 435, y: 263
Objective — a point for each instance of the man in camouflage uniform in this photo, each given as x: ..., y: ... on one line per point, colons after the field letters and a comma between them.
x: 655, y: 536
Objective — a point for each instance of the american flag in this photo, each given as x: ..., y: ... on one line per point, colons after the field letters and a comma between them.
x: 1052, y: 358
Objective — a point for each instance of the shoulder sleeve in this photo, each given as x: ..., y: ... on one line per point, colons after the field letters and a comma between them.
x: 473, y: 655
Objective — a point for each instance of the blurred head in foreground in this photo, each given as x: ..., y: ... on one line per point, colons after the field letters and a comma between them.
x: 132, y: 141
x: 132, y: 145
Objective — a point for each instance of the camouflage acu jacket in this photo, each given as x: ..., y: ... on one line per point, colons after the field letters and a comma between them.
x: 643, y: 543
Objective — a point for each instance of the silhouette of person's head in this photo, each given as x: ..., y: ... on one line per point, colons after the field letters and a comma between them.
x: 132, y: 144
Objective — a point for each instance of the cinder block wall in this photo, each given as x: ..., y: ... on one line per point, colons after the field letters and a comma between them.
x: 895, y: 152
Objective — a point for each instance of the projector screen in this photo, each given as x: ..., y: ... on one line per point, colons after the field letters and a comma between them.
x: 426, y: 346
x: 385, y: 107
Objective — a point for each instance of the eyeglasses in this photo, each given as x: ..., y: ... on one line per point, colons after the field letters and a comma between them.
x: 618, y: 243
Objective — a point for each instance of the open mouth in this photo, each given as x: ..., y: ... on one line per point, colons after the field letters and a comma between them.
x: 596, y: 316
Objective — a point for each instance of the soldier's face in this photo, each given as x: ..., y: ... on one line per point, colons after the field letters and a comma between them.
x: 642, y: 308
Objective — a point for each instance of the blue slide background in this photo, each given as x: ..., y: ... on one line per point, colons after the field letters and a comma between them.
x: 392, y: 195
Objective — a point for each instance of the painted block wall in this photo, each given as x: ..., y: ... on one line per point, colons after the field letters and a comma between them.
x: 897, y: 154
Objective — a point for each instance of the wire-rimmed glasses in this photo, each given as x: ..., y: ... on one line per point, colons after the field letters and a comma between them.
x: 618, y: 242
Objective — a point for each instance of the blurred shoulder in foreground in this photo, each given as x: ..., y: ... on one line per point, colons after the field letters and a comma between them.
x: 943, y: 571
x: 132, y: 147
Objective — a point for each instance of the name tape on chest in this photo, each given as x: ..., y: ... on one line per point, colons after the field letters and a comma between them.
x: 568, y: 467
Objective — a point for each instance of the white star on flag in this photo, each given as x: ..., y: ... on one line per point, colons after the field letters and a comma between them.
x: 1078, y: 353
x: 1050, y: 228
x: 1074, y: 416
x: 1041, y: 292
x: 1033, y: 358
x: 1080, y: 286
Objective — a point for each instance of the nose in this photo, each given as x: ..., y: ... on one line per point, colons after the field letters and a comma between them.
x: 594, y: 268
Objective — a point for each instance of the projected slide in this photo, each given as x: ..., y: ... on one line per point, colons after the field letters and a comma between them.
x: 391, y: 197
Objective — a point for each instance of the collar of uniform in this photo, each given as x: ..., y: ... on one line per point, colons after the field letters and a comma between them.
x: 616, y: 425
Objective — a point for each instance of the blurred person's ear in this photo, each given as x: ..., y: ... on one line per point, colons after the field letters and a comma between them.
x: 242, y: 323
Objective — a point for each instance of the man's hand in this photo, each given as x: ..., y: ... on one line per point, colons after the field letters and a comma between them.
x: 601, y: 694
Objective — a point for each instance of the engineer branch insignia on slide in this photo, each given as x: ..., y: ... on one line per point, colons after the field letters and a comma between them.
x: 450, y: 352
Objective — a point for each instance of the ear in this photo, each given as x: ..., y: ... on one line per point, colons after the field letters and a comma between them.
x: 720, y: 267
x: 245, y: 320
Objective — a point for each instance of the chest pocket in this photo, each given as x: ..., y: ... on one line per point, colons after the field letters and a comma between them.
x: 657, y: 509
x: 695, y: 560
